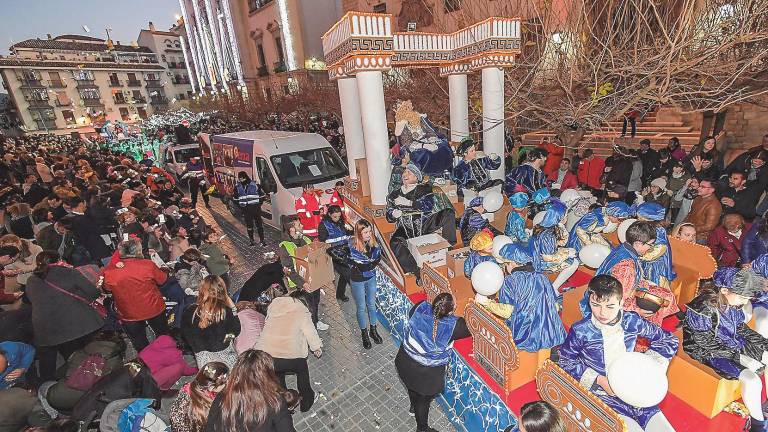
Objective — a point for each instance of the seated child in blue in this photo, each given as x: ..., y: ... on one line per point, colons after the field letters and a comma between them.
x: 472, y: 221
x: 715, y: 333
x: 657, y: 262
x: 547, y: 242
x: 481, y: 250
x: 527, y: 303
x: 589, y: 228
x: 515, y: 227
x: 610, y: 332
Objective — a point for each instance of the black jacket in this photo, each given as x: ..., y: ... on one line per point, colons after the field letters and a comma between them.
x: 211, y: 338
x: 119, y: 384
x: 280, y: 421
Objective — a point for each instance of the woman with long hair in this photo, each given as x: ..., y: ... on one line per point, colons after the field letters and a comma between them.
x: 364, y: 257
x: 425, y: 352
x: 252, y: 399
x: 210, y: 325
x: 190, y: 409
x: 62, y: 317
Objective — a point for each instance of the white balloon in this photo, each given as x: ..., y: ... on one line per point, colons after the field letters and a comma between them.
x: 638, y: 379
x: 592, y: 255
x: 623, y: 226
x: 611, y: 227
x: 493, y: 201
x: 539, y: 217
x: 487, y: 278
x: 498, y: 242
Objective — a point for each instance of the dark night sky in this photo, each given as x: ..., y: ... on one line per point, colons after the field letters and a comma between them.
x: 27, y: 19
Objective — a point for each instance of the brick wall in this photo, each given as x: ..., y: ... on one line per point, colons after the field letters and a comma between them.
x: 746, y: 124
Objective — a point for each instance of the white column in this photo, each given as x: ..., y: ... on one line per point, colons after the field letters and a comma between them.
x: 374, y: 116
x: 459, y: 102
x: 493, y: 115
x: 352, y: 122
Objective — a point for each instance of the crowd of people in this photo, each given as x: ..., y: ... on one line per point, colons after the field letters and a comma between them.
x: 111, y: 276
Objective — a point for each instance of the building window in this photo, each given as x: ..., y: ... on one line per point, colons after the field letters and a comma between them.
x: 124, y: 114
x: 90, y: 94
x: 69, y: 117
x: 380, y: 8
x: 137, y: 95
x: 142, y: 112
x: 260, y: 54
x: 279, y: 47
x: 451, y: 5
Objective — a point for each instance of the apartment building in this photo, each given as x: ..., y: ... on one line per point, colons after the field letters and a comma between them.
x: 170, y: 51
x: 72, y: 82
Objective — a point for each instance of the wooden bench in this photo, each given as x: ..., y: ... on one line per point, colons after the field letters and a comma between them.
x: 580, y: 410
x: 496, y: 352
x: 692, y: 263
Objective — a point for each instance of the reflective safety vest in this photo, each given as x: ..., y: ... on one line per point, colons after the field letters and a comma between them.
x: 290, y: 247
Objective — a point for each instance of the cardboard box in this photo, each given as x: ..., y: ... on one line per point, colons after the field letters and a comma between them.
x: 451, y: 191
x: 454, y: 260
x: 429, y: 248
x: 315, y: 265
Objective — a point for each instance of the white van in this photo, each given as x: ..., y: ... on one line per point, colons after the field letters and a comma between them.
x: 282, y: 162
x: 174, y: 157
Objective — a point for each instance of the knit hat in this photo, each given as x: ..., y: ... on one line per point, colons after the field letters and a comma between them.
x: 651, y: 211
x: 660, y: 182
x: 415, y: 170
x: 514, y: 253
x: 481, y: 241
x: 518, y: 200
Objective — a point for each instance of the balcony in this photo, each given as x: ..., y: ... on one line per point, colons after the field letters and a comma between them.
x: 140, y: 99
x: 153, y: 82
x: 115, y: 83
x: 280, y: 67
x: 31, y: 83
x: 262, y: 71
x: 45, y: 124
x: 120, y: 100
x: 93, y: 102
x: 57, y: 84
x: 180, y: 80
x: 158, y: 100
x: 38, y: 103
x: 133, y: 83
x: 177, y: 65
x: 61, y: 104
x: 86, y: 83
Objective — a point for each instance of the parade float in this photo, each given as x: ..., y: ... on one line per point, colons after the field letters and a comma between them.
x: 489, y: 377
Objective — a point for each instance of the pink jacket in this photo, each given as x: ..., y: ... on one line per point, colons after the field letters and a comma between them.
x: 251, y: 324
x: 166, y: 362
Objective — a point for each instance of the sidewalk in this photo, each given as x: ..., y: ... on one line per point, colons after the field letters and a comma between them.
x: 358, y: 390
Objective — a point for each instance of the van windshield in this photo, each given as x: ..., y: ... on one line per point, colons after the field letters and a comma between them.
x: 184, y: 155
x: 308, y: 166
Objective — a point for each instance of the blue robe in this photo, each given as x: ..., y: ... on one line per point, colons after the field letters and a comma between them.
x: 527, y: 176
x: 515, y: 228
x: 473, y: 222
x: 473, y: 260
x: 535, y: 322
x: 466, y: 178
x: 717, y: 337
x: 545, y: 244
x: 433, y: 163
x: 660, y: 271
x: 582, y: 356
x: 592, y: 222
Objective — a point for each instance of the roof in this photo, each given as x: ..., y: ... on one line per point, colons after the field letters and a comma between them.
x: 162, y: 33
x: 54, y: 44
x: 12, y: 62
x: 274, y: 142
x: 78, y: 37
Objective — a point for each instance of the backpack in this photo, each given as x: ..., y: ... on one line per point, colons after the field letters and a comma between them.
x: 87, y: 372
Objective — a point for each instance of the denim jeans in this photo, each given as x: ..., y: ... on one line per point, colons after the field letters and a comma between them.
x: 364, y: 294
